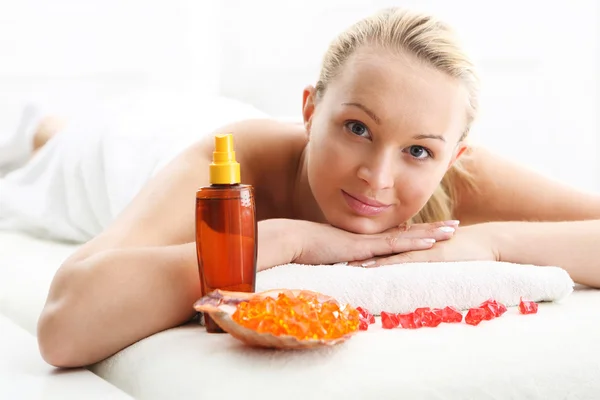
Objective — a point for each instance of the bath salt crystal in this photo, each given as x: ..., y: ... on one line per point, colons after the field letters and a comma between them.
x: 528, y: 307
x: 363, y: 325
x: 407, y: 321
x: 427, y: 318
x: 476, y: 315
x: 389, y: 320
x: 497, y: 309
x: 449, y: 314
x: 366, y: 315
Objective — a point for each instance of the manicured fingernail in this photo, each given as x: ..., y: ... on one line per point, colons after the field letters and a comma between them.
x: 453, y: 222
x: 368, y: 264
x: 429, y: 241
x: 447, y: 229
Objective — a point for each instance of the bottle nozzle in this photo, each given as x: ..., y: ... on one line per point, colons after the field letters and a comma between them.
x: 224, y: 143
x: 224, y: 169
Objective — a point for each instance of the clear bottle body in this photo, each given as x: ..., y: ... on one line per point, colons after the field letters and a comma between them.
x: 226, y: 240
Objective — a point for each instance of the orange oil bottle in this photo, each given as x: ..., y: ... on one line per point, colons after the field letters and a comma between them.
x: 226, y: 228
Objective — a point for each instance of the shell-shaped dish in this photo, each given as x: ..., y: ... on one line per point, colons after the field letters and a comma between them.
x: 221, y: 305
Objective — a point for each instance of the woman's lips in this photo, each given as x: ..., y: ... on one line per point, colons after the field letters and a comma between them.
x: 364, y: 206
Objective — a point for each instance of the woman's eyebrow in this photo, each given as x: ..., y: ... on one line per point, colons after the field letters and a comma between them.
x: 370, y: 113
x: 427, y: 136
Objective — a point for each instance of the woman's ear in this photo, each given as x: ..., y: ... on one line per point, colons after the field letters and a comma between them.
x: 461, y: 148
x: 308, y: 106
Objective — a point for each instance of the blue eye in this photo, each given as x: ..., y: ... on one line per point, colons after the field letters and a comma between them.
x: 358, y: 129
x: 419, y: 152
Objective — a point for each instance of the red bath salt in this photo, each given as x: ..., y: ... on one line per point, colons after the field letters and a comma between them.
x: 448, y: 314
x: 528, y: 307
x: 366, y: 315
x: 389, y: 320
x: 407, y: 321
x: 363, y: 324
x: 489, y: 312
x: 476, y: 315
x: 426, y: 317
x: 497, y: 309
x: 502, y: 309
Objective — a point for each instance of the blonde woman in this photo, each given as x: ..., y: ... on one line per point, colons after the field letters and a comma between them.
x: 380, y: 171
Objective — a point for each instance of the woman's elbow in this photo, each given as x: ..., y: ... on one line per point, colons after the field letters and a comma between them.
x: 55, y: 345
x: 58, y: 339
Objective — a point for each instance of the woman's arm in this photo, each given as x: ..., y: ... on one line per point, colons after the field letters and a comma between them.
x: 108, y: 301
x: 506, y: 191
x: 563, y: 227
x: 574, y: 246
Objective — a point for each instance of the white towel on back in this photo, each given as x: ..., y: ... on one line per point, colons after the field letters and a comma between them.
x: 403, y: 288
x: 78, y: 183
x: 18, y: 123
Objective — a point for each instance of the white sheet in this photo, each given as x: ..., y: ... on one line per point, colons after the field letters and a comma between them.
x: 551, y: 355
x: 24, y: 375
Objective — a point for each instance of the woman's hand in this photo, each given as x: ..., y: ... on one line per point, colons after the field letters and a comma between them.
x: 471, y: 243
x: 304, y: 242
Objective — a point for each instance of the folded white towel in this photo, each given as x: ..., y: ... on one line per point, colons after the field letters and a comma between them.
x: 403, y: 288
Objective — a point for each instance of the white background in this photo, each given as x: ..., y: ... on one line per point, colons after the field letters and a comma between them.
x: 539, y: 61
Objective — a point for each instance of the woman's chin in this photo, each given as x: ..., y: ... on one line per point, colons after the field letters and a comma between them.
x: 363, y: 226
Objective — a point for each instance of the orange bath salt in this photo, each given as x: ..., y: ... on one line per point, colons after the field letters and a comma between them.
x: 304, y: 316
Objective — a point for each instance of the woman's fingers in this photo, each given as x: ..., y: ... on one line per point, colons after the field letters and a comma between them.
x: 402, y: 239
x: 391, y: 244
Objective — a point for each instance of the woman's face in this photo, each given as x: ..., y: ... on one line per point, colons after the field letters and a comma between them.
x: 381, y: 139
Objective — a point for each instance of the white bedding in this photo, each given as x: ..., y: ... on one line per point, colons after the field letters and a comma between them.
x: 551, y: 355
x: 24, y: 375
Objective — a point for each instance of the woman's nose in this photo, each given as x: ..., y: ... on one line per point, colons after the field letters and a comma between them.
x: 378, y: 172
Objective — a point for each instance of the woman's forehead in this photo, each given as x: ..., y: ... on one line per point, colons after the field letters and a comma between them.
x: 396, y: 86
x: 381, y: 74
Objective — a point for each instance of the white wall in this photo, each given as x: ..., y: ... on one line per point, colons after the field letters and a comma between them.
x: 538, y: 60
x: 68, y: 50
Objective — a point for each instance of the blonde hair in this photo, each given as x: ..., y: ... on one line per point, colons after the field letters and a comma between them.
x: 434, y: 43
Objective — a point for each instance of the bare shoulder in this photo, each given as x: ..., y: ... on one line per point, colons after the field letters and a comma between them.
x: 162, y: 213
x: 263, y: 144
x: 504, y: 190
